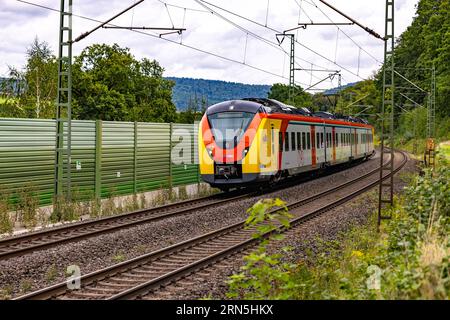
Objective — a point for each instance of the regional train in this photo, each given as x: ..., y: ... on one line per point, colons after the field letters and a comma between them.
x: 261, y: 141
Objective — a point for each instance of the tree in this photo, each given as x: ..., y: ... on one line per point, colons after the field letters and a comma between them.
x: 195, y: 109
x: 110, y: 84
x: 300, y: 98
x: 41, y: 74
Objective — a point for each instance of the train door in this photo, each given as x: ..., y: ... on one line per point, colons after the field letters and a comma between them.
x: 350, y: 143
x: 290, y: 148
x: 306, y: 146
x: 365, y: 141
x: 270, y: 145
x: 328, y: 144
x: 341, y: 145
x: 312, y: 135
x: 320, y: 144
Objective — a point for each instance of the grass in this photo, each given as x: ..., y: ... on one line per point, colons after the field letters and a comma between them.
x: 25, y: 203
x: 408, y: 258
x: 119, y: 257
x: 52, y: 273
x: 444, y: 149
x: 6, y: 293
x: 25, y: 285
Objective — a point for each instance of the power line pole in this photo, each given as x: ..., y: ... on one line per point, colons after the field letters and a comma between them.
x: 63, y: 148
x: 387, y: 114
x: 280, y: 37
x: 431, y: 118
x: 64, y: 102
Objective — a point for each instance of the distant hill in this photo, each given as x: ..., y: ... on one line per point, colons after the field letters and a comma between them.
x: 334, y: 91
x: 215, y: 90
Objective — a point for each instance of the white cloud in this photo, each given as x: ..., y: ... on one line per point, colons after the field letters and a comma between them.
x: 20, y: 23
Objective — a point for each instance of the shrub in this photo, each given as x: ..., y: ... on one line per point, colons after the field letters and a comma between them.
x: 6, y: 225
x: 27, y: 205
x: 408, y: 259
x: 264, y: 275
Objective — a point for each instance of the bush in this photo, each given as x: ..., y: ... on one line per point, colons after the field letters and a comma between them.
x: 6, y: 225
x: 408, y: 259
x: 27, y: 205
x: 264, y: 275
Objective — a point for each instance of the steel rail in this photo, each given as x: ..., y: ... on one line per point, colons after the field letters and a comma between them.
x: 46, y: 238
x: 33, y: 241
x: 153, y: 284
x: 146, y: 287
x: 94, y: 277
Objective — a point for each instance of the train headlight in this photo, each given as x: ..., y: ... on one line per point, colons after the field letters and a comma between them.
x: 210, y: 151
x: 246, y: 151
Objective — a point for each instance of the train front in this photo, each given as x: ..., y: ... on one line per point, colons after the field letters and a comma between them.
x: 231, y: 135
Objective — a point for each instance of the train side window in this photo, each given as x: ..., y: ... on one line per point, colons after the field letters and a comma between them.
x: 293, y: 141
x: 317, y: 140
x: 308, y: 137
x: 280, y: 139
x: 321, y: 139
x: 286, y: 141
x: 336, y: 139
x: 304, y: 140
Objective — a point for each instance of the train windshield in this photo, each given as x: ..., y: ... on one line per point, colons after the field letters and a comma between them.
x: 229, y: 127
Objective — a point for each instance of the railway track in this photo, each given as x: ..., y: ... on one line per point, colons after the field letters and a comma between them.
x: 30, y: 242
x: 139, y: 276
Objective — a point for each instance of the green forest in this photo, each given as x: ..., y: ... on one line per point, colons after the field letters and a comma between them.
x: 213, y: 91
x: 423, y: 46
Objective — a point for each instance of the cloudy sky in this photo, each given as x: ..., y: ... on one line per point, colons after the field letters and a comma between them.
x: 237, y: 46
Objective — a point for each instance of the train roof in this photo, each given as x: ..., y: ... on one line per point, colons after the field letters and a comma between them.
x: 271, y: 106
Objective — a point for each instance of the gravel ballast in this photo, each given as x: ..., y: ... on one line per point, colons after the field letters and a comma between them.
x: 43, y: 268
x: 210, y: 282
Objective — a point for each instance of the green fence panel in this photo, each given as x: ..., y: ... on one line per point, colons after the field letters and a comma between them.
x: 117, y: 158
x: 152, y: 156
x: 108, y: 158
x: 83, y: 159
x: 184, y: 167
x: 27, y: 155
